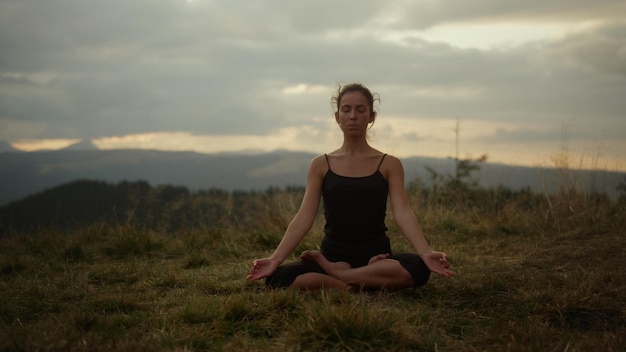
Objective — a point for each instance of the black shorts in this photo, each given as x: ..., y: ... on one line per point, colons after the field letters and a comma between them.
x: 285, y: 275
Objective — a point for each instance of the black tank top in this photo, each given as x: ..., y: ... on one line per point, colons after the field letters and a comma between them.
x: 355, y: 207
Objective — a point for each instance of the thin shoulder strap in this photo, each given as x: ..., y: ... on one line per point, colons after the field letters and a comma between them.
x: 327, y: 162
x: 381, y: 161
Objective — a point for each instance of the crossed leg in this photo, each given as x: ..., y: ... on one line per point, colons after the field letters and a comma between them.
x: 317, y: 281
x: 379, y: 273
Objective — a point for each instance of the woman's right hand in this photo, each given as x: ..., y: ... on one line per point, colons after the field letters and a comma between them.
x: 262, y: 268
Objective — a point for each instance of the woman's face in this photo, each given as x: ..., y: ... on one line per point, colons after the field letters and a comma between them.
x: 354, y: 113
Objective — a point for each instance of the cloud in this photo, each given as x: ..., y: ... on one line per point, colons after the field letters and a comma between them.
x: 303, y: 138
x: 43, y: 144
x: 76, y: 69
x: 525, y: 135
x: 424, y: 14
x: 602, y: 49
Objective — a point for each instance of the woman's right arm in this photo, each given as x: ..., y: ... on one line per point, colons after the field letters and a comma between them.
x: 299, y: 225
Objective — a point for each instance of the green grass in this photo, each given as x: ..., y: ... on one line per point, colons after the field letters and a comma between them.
x: 542, y: 277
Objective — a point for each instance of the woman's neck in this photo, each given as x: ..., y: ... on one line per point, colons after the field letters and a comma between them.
x: 355, y: 147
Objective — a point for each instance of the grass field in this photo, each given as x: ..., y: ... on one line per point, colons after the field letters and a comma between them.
x: 548, y: 276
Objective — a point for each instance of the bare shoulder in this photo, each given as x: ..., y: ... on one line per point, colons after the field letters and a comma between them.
x: 318, y: 161
x: 391, y: 167
x: 392, y: 162
x: 392, y: 159
x: 318, y: 165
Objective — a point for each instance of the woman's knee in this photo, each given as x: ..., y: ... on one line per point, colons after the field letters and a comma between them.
x: 415, y: 266
x: 285, y: 275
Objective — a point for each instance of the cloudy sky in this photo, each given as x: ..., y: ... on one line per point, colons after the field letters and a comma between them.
x: 529, y: 82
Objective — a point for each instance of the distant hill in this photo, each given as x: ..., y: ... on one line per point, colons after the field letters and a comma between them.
x: 23, y: 174
x: 84, y: 202
x: 81, y: 145
x: 26, y: 173
x: 7, y: 147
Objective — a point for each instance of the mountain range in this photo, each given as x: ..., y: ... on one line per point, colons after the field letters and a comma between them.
x: 7, y: 147
x: 26, y: 173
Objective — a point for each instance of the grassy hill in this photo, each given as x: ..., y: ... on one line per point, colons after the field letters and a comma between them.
x: 535, y: 272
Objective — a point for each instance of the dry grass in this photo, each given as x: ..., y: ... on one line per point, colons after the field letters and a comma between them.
x: 541, y: 274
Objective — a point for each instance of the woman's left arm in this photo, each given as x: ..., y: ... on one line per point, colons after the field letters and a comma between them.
x: 407, y: 221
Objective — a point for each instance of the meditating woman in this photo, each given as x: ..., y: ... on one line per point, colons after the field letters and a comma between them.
x: 354, y: 182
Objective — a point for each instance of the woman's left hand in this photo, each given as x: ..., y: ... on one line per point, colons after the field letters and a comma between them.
x: 438, y: 263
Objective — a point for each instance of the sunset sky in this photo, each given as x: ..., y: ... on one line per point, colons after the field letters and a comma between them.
x: 528, y: 82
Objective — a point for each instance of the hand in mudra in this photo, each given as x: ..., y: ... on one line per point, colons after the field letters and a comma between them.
x: 438, y: 263
x: 262, y: 268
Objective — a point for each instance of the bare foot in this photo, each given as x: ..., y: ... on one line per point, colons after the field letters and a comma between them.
x: 378, y: 257
x: 332, y: 268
